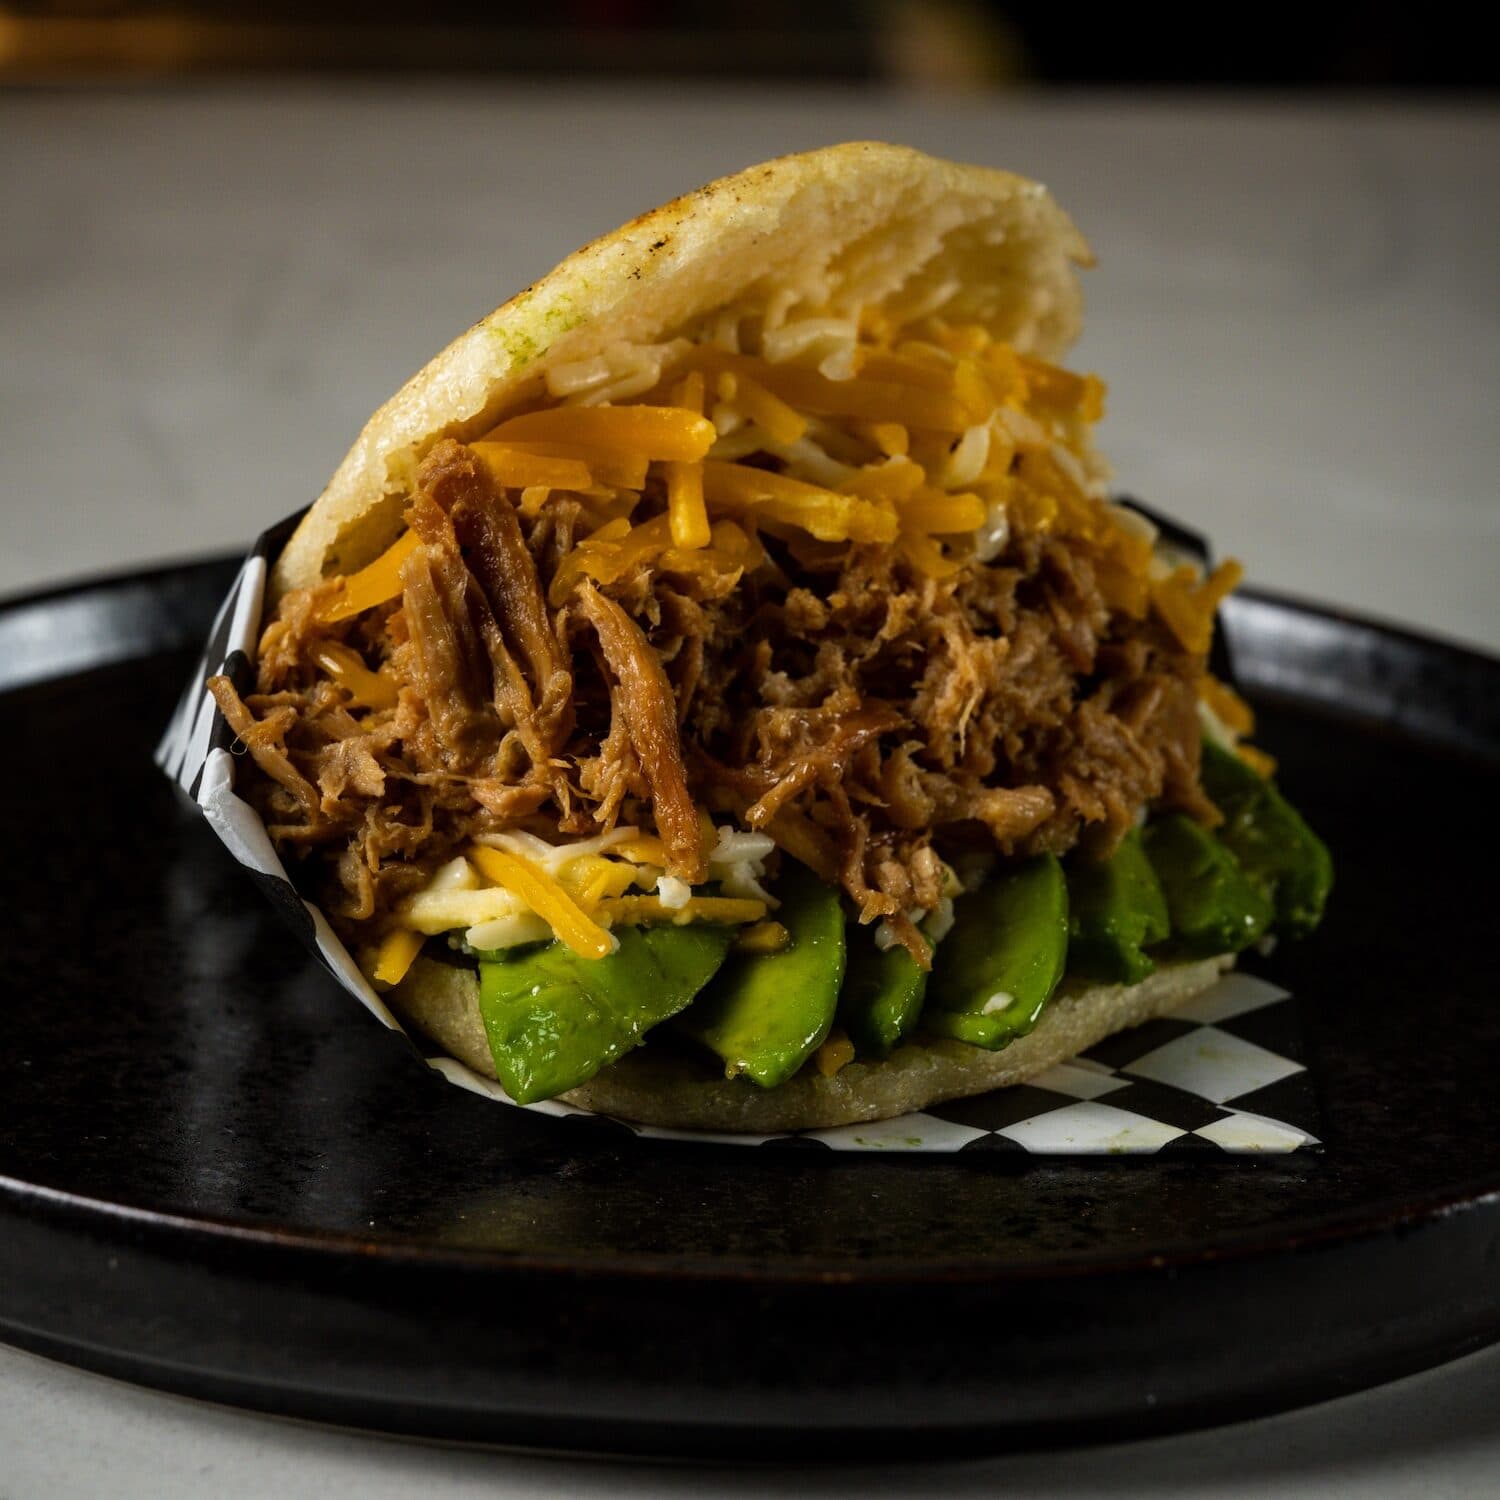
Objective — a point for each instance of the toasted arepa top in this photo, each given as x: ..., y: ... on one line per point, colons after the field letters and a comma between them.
x: 833, y: 232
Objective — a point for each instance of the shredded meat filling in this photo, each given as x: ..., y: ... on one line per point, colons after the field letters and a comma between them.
x: 648, y: 709
x: 868, y: 716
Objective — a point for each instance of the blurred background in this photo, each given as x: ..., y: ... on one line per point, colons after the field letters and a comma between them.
x: 952, y: 43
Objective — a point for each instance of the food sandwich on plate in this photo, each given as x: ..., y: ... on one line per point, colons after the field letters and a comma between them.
x: 718, y: 690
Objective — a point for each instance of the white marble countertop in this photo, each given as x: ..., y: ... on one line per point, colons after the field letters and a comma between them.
x: 203, y: 294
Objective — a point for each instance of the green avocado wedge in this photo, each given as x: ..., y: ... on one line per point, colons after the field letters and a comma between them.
x: 554, y: 1019
x: 1271, y: 840
x: 882, y: 994
x: 998, y: 967
x: 1116, y: 910
x: 765, y: 1014
x: 1214, y: 906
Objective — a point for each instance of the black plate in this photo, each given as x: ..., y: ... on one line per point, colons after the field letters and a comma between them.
x: 218, y: 1176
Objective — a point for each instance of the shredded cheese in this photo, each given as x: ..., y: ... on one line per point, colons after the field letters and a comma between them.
x: 1258, y: 760
x: 515, y: 468
x: 1227, y: 706
x: 836, y: 1053
x: 396, y: 954
x: 659, y: 432
x: 547, y: 898
x: 346, y: 668
x: 376, y: 584
x: 762, y: 937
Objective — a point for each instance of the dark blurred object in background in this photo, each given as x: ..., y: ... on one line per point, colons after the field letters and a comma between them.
x: 951, y: 44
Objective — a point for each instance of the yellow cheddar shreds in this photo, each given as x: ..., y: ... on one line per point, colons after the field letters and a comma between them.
x: 657, y: 432
x: 780, y: 422
x: 858, y: 399
x: 1002, y: 367
x: 593, y: 879
x: 943, y: 515
x: 964, y: 338
x: 688, y: 392
x: 1258, y: 760
x: 643, y: 849
x: 825, y: 514
x: 762, y: 937
x: 903, y: 369
x: 1227, y: 706
x: 515, y: 468
x: 837, y: 1052
x: 971, y: 387
x: 540, y: 891
x: 608, y: 554
x: 617, y: 468
x: 1187, y: 604
x: 1221, y: 583
x: 1053, y: 386
x: 926, y: 556
x: 376, y: 584
x: 397, y: 952
x: 895, y: 480
x: 346, y: 668
x: 690, y: 527
x: 889, y: 437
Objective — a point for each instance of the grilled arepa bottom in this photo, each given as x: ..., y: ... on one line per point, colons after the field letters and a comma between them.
x: 657, y: 1087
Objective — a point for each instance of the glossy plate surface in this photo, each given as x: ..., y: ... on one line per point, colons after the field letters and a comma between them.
x: 218, y: 1176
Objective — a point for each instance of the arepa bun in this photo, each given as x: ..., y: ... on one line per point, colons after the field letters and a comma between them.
x: 843, y: 228
x: 664, y: 1088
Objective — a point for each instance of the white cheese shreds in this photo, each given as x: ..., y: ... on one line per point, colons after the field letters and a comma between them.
x: 923, y: 301
x: 940, y: 923
x: 724, y: 331
x: 838, y: 364
x: 457, y: 875
x: 1133, y: 522
x: 1215, y: 728
x: 578, y: 376
x: 808, y: 338
x: 727, y: 419
x: 617, y: 373
x: 810, y: 461
x: 1023, y: 429
x: 738, y: 862
x: 508, y: 932
x: 966, y: 462
x: 673, y: 893
x: 990, y: 539
x: 433, y: 911
x: 552, y: 857
x: 1070, y: 466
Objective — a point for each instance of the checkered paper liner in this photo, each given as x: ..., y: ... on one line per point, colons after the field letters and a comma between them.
x: 1222, y: 1075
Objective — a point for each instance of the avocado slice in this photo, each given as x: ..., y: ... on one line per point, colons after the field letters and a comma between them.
x: 1214, y: 906
x: 1116, y: 910
x: 1271, y: 840
x: 553, y: 1019
x: 998, y: 967
x: 882, y: 994
x: 765, y: 1014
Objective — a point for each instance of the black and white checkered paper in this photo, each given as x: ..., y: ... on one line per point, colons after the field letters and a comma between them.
x: 1222, y: 1075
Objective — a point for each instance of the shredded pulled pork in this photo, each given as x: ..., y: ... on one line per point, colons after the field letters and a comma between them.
x: 553, y: 666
